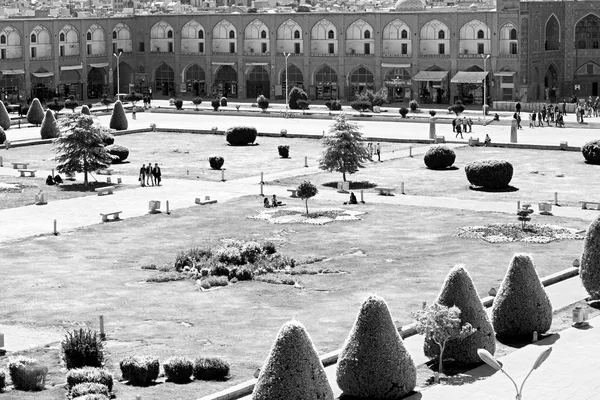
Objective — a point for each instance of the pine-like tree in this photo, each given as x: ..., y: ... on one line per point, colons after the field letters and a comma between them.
x: 589, y: 269
x: 118, y: 119
x: 292, y: 369
x: 35, y: 114
x: 49, y: 129
x: 4, y: 117
x: 344, y: 150
x: 85, y: 110
x: 80, y: 147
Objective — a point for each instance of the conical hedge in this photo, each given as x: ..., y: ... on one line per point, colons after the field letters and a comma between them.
x: 292, y: 369
x: 373, y: 362
x: 85, y: 110
x: 35, y: 114
x: 458, y: 290
x: 4, y: 117
x: 589, y: 267
x: 118, y: 119
x: 49, y: 128
x: 521, y: 305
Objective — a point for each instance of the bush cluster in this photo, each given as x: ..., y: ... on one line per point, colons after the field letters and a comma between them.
x: 2, y: 136
x: 333, y: 105
x: 589, y: 268
x: 284, y: 151
x: 241, y: 135
x: 361, y: 105
x: 296, y: 94
x: 215, y: 103
x: 71, y: 104
x: 439, y: 157
x: 85, y: 110
x: 492, y: 174
x: 403, y: 111
x: 178, y: 369
x: 2, y: 380
x: 211, y: 369
x: 413, y: 105
x: 118, y: 153
x: 26, y: 374
x: 82, y: 348
x: 197, y: 101
x: 216, y: 162
x: 140, y: 370
x: 35, y: 114
x: 591, y: 152
x: 89, y: 375
x: 89, y: 388
x: 178, y: 104
x: 263, y: 102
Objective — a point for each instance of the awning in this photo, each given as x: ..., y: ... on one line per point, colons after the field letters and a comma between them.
x: 504, y: 73
x: 469, y: 77
x: 99, y: 65
x: 390, y: 65
x: 264, y: 64
x: 42, y: 74
x: 13, y: 71
x: 70, y: 67
x: 425, y: 76
x: 222, y: 63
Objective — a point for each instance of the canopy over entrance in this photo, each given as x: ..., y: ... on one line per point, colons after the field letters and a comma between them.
x: 469, y: 77
x: 426, y: 76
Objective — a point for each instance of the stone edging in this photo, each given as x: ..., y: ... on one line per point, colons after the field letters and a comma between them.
x: 246, y: 388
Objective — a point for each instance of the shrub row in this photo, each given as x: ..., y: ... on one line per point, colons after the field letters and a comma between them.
x: 26, y: 374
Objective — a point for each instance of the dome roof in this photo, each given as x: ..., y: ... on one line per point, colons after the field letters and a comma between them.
x: 410, y: 5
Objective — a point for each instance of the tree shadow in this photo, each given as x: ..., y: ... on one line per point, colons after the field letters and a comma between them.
x: 507, y: 189
x: 353, y: 185
x: 519, y: 343
x: 151, y: 384
x: 452, y: 168
x: 417, y: 396
x: 80, y: 187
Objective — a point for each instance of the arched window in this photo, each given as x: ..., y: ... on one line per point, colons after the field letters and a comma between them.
x: 404, y: 34
x: 61, y: 37
x: 587, y: 32
x: 552, y: 34
x: 441, y: 35
x: 513, y: 34
x: 367, y: 34
x: 114, y: 34
x: 89, y: 36
x: 513, y: 48
x: 33, y: 38
x: 480, y: 34
x: 263, y: 34
x: 231, y: 35
x: 330, y: 35
x: 169, y: 34
x: 200, y: 34
x: 296, y: 34
x: 2, y: 39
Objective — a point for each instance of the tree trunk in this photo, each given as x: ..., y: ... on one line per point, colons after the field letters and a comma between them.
x: 440, y: 366
x: 85, y: 173
x: 306, y: 202
x: 344, y: 176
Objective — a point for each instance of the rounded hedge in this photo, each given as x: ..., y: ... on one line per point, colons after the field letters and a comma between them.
x: 216, y: 162
x: 241, y: 135
x: 521, y: 305
x: 373, y: 362
x: 211, y: 368
x: 492, y: 174
x: 85, y: 110
x: 178, y: 369
x: 82, y: 389
x: 35, y: 114
x: 591, y: 152
x: 140, y: 370
x: 89, y: 374
x: 292, y: 369
x: 2, y: 380
x: 589, y: 267
x: 49, y: 129
x: 458, y: 290
x: 4, y: 117
x: 119, y: 153
x: 2, y: 136
x: 118, y: 119
x: 284, y: 150
x: 439, y: 157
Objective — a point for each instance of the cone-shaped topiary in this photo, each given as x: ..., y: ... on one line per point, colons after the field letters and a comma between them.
x: 49, y: 128
x: 458, y: 290
x: 2, y: 136
x: 4, y: 117
x: 589, y: 268
x: 85, y: 110
x: 118, y: 119
x: 521, y: 305
x: 373, y: 362
x: 292, y: 369
x: 35, y: 114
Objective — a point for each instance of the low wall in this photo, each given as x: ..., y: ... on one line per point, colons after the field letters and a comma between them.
x: 528, y: 107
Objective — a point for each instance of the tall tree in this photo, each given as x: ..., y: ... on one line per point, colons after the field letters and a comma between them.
x: 80, y: 147
x: 344, y: 149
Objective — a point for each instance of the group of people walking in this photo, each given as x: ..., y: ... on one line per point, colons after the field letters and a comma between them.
x: 587, y: 108
x: 374, y: 149
x: 550, y: 114
x: 460, y: 125
x: 150, y: 175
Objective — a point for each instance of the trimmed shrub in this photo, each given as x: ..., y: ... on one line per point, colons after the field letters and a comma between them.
x: 241, y: 135
x: 56, y: 105
x: 284, y: 151
x: 179, y: 104
x: 333, y: 105
x: 140, y: 370
x: 2, y: 136
x: 197, y: 101
x: 2, y: 380
x: 89, y: 375
x: 458, y: 290
x: 118, y: 119
x: 118, y: 153
x: 35, y: 114
x: 215, y: 103
x: 211, y: 369
x: 439, y: 157
x: 85, y: 110
x: 4, y: 117
x: 492, y: 174
x: 456, y: 108
x: 178, y: 369
x: 223, y: 101
x: 521, y: 305
x: 413, y: 105
x: 263, y: 103
x: 49, y: 129
x: 373, y: 362
x: 26, y: 374
x: 432, y: 113
x: 86, y: 388
x: 360, y: 105
x: 589, y: 268
x: 108, y: 139
x: 216, y: 162
x: 403, y: 111
x: 82, y: 348
x: 71, y: 104
x: 292, y: 369
x: 591, y: 152
x: 296, y: 94
x: 302, y: 104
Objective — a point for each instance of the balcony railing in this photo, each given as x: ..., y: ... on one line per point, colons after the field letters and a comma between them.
x: 396, y: 55
x: 224, y: 53
x: 476, y: 55
x: 292, y: 54
x: 162, y: 52
x: 253, y: 53
x: 191, y: 53
x: 359, y: 55
x: 426, y: 55
x: 42, y: 58
x: 70, y: 57
x: 324, y: 55
x: 508, y: 55
x: 96, y: 55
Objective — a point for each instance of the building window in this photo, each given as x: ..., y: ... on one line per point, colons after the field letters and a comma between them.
x: 441, y: 35
x: 170, y: 47
x: 330, y: 35
x: 367, y: 48
x: 480, y: 34
x: 114, y: 34
x: 33, y: 38
x: 404, y: 49
x: 89, y: 49
x: 200, y: 34
x: 441, y: 48
x: 590, y: 69
x: 513, y: 34
x: 367, y: 34
x: 62, y: 51
x: 61, y: 37
x: 89, y: 36
x: 2, y: 39
x: 296, y: 34
x: 33, y: 52
x: 331, y: 48
x: 263, y: 34
x: 200, y: 47
x: 404, y: 34
x: 595, y: 44
x: 231, y: 35
x: 480, y: 48
x: 581, y: 44
x: 142, y: 47
x: 513, y: 48
x: 232, y: 47
x: 170, y: 34
x: 2, y: 54
x: 114, y: 48
x: 264, y: 47
x: 297, y: 48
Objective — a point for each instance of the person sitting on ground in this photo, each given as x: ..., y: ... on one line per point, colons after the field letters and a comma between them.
x: 275, y: 202
x: 266, y: 203
x: 496, y: 117
x: 49, y: 180
x: 352, y: 199
x: 487, y: 140
x: 58, y: 180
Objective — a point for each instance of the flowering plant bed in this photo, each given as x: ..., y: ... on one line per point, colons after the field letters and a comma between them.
x: 533, y: 233
x: 297, y: 215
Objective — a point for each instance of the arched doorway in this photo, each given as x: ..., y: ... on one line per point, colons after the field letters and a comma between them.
x: 195, y: 80
x: 70, y: 83
x: 225, y: 83
x: 124, y: 74
x: 294, y: 76
x: 164, y: 80
x: 10, y: 85
x: 96, y: 83
x: 326, y: 82
x: 258, y: 82
x: 41, y: 82
x: 550, y: 83
x: 397, y: 81
x: 360, y: 79
x: 587, y: 78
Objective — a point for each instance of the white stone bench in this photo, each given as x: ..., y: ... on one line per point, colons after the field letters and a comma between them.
x: 154, y: 207
x: 584, y: 204
x: 385, y: 191
x: 105, y: 172
x: 439, y: 139
x: 114, y: 214
x: 30, y: 172
x: 206, y: 200
x: 20, y: 165
x: 294, y: 192
x: 105, y: 190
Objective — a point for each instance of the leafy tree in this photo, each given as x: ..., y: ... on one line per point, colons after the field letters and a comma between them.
x: 56, y: 105
x: 71, y: 104
x: 373, y: 98
x: 2, y: 136
x: 49, y: 128
x: 197, y: 101
x: 456, y: 108
x: 263, y: 103
x: 80, y: 147
x: 344, y: 151
x: 106, y: 101
x: 305, y: 191
x: 35, y: 114
x: 442, y: 324
x: 4, y: 117
x: 133, y: 97
x: 296, y: 94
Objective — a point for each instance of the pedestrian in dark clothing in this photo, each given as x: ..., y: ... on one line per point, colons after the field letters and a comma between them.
x: 518, y: 107
x: 378, y: 150
x: 533, y: 117
x: 464, y: 125
x: 544, y: 113
x: 459, y: 131
x: 156, y: 173
x: 149, y: 176
x: 470, y: 124
x: 564, y: 107
x: 142, y: 177
x: 540, y: 122
x: 454, y: 125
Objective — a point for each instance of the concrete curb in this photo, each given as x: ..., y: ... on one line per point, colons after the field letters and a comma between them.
x: 246, y: 388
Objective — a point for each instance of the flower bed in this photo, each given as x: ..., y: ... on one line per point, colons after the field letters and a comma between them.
x: 297, y: 215
x: 533, y: 233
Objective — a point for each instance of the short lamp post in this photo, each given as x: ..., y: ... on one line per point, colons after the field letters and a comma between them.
x: 118, y: 75
x: 485, y: 58
x: 492, y: 362
x: 286, y: 80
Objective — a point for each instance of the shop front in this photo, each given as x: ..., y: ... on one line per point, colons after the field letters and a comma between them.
x: 398, y: 84
x: 70, y: 81
x: 97, y: 81
x: 431, y: 87
x: 42, y: 86
x: 11, y: 85
x: 225, y: 83
x: 326, y: 84
x: 505, y: 84
x: 164, y: 80
x: 469, y: 86
x: 257, y: 80
x: 195, y: 80
x: 359, y: 81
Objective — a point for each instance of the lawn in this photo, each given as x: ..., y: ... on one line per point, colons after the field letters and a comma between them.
x: 61, y: 283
